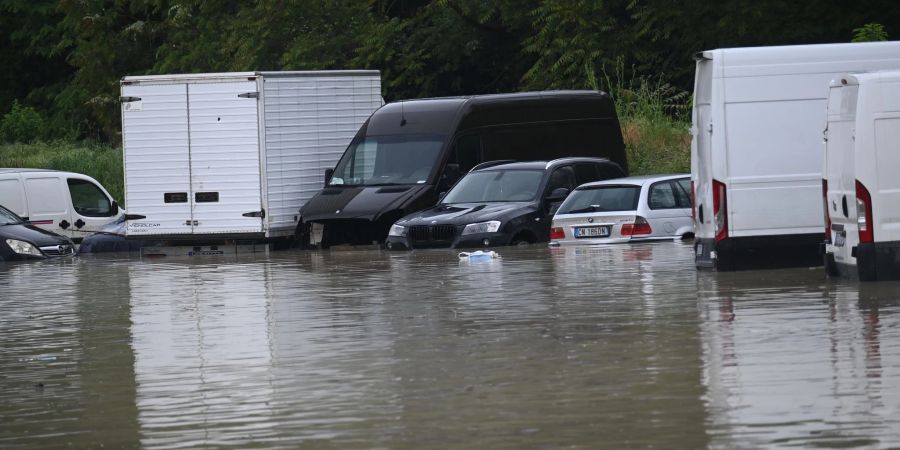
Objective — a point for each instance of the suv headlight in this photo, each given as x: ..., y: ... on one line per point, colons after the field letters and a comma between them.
x: 482, y: 227
x: 23, y: 248
x: 397, y: 230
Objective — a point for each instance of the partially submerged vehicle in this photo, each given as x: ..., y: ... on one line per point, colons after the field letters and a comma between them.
x: 861, y: 186
x: 499, y: 203
x: 66, y: 203
x: 19, y: 240
x: 410, y: 152
x: 632, y: 209
x: 756, y: 153
x: 224, y: 156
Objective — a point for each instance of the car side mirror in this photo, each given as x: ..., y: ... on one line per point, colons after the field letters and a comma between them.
x: 328, y: 173
x: 558, y: 195
x: 115, y: 208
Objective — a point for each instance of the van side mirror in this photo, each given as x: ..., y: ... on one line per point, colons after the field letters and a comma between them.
x: 115, y: 208
x: 451, y: 174
x: 328, y: 173
x: 558, y: 195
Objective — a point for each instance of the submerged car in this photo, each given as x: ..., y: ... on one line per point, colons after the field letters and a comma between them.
x: 499, y: 203
x: 20, y: 240
x: 625, y: 210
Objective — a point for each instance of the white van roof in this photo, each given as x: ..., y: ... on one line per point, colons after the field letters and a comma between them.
x: 754, y: 61
x: 14, y: 170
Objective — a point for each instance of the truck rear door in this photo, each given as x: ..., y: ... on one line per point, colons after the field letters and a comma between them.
x: 224, y: 158
x: 155, y: 135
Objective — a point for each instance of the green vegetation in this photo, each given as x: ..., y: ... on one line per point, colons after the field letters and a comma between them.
x: 100, y: 161
x: 63, y: 60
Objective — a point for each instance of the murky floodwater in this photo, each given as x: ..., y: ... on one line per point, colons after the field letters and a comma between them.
x: 612, y: 347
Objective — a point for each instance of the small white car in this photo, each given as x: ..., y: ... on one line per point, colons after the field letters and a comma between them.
x: 625, y: 210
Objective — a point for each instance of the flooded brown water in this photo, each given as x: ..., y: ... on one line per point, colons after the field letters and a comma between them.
x: 610, y: 347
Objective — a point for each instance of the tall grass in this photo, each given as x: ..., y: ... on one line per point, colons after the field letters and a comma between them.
x: 655, y: 120
x: 102, y: 162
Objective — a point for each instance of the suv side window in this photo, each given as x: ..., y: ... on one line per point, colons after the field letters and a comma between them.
x: 561, y: 177
x: 609, y: 171
x: 585, y: 173
x: 662, y: 196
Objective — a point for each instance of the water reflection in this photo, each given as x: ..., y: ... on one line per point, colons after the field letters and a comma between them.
x: 792, y: 360
x: 623, y: 346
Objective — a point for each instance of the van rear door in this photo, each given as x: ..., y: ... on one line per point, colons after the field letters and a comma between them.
x: 701, y: 145
x: 839, y: 171
x: 157, y: 163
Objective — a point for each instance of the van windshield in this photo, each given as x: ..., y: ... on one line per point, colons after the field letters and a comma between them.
x: 8, y: 218
x: 387, y: 160
x: 601, y: 198
x: 496, y: 186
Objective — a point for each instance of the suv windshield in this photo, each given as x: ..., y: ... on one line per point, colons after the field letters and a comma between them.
x: 384, y: 160
x: 601, y: 198
x: 8, y: 218
x: 496, y: 186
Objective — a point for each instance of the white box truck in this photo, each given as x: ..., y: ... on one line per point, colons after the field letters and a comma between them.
x: 756, y: 152
x: 861, y: 183
x: 235, y: 155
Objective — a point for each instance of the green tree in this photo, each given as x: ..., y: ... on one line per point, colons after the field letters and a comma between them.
x: 870, y: 32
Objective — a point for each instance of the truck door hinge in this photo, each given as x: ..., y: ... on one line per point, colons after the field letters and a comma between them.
x: 249, y: 95
x: 261, y: 214
x: 129, y: 99
x: 709, y: 127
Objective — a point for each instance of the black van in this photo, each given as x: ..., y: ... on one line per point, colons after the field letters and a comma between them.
x: 408, y: 153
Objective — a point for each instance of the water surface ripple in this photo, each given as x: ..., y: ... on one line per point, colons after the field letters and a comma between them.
x: 606, y: 347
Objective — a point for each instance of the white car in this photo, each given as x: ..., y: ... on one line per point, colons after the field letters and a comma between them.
x: 625, y: 210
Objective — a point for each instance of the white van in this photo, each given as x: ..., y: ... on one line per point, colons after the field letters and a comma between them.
x: 67, y: 203
x: 756, y: 152
x: 861, y: 183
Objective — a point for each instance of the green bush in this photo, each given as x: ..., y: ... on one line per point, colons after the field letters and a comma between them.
x: 655, y: 120
x: 21, y: 124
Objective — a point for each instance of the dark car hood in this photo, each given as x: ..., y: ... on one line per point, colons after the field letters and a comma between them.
x: 466, y: 213
x: 364, y: 202
x: 32, y: 234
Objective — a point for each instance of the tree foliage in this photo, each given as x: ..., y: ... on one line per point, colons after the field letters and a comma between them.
x: 65, y: 58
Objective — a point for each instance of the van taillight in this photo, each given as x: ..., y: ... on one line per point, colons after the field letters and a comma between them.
x: 720, y: 210
x: 693, y: 205
x: 557, y: 233
x: 639, y: 227
x: 864, y: 213
x: 825, y: 209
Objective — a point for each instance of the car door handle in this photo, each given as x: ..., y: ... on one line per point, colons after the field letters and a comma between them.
x: 79, y: 223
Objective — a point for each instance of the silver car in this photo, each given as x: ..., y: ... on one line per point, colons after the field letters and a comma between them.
x: 625, y: 210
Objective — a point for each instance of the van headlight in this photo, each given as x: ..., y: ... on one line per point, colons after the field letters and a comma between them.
x: 397, y: 230
x: 23, y: 248
x: 482, y: 227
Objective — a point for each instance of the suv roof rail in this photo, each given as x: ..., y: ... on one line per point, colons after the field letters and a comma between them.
x: 487, y: 164
x: 572, y: 159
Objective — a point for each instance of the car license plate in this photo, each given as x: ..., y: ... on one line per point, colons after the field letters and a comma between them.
x: 840, y: 238
x: 591, y: 232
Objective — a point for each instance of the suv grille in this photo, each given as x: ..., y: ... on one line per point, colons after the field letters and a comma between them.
x: 432, y: 235
x: 58, y: 250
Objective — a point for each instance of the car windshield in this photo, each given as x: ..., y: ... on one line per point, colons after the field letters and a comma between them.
x: 496, y: 186
x: 387, y: 160
x: 8, y: 218
x: 601, y: 198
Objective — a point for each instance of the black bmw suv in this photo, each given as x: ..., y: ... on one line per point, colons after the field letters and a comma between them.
x: 499, y: 203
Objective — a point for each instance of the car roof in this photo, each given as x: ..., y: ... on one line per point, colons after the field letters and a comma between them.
x: 541, y: 165
x: 13, y: 170
x: 639, y: 180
